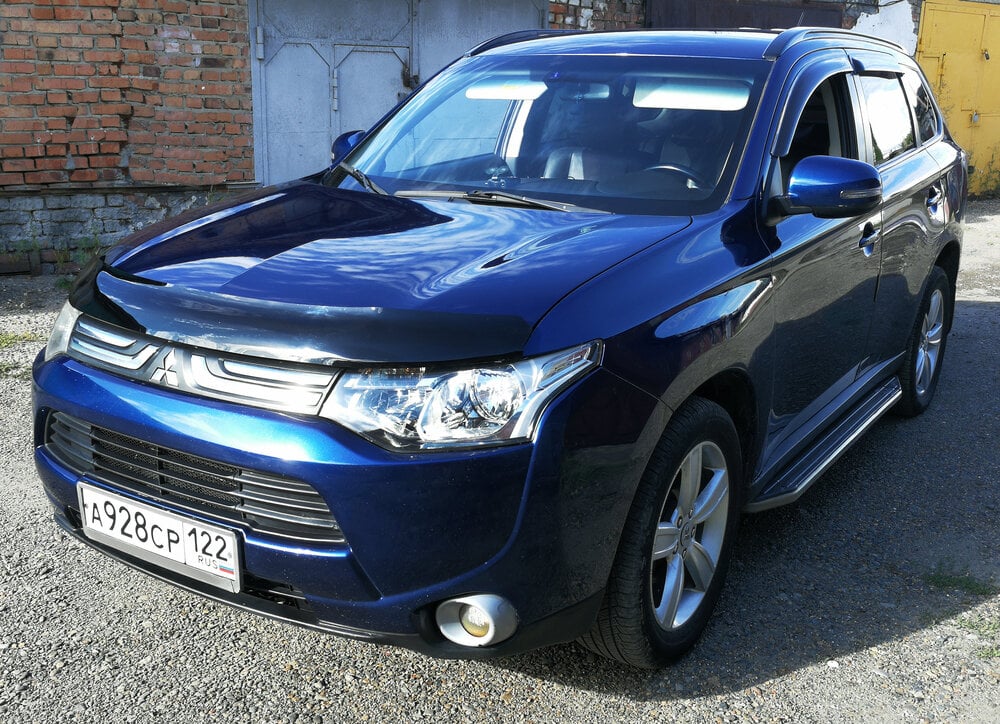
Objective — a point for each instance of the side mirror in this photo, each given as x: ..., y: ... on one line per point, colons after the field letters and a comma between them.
x: 344, y: 144
x: 831, y: 187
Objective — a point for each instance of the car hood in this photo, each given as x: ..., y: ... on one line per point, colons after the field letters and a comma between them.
x: 316, y: 274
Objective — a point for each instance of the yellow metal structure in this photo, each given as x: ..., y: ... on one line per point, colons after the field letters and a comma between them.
x: 954, y: 47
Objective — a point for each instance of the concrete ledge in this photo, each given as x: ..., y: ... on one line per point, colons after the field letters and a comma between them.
x: 54, y: 232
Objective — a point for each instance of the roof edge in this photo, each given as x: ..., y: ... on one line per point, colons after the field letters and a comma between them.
x: 791, y: 36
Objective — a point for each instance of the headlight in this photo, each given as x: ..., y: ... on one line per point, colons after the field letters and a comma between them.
x: 61, y: 331
x: 418, y: 409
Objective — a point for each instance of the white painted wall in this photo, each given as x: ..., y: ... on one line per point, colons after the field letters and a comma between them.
x: 893, y: 21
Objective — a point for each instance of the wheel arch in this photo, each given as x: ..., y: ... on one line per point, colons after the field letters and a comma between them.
x: 733, y: 391
x: 948, y: 260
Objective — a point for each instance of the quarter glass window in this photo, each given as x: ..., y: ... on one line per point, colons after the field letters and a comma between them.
x: 922, y: 105
x: 888, y: 116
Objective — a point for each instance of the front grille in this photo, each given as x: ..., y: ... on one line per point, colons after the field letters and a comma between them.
x: 259, y: 501
x: 208, y: 373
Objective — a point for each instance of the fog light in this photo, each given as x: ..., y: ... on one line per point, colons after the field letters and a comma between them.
x: 477, y: 620
x: 474, y: 620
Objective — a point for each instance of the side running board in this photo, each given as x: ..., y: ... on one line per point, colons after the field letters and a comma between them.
x: 803, y: 472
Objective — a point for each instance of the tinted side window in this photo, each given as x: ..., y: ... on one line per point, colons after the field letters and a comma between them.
x: 922, y: 105
x: 888, y: 116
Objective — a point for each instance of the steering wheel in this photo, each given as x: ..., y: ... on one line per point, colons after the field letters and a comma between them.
x: 686, y: 171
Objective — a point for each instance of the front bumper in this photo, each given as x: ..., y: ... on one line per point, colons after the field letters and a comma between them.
x: 535, y: 523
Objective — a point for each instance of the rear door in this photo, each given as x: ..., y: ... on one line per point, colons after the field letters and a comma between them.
x: 900, y: 125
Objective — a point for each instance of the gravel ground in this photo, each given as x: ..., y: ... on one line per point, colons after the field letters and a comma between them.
x: 875, y: 597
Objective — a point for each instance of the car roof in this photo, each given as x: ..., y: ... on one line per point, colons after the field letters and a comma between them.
x: 745, y: 43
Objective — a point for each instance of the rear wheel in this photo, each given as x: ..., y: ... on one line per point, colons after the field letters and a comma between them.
x: 677, y: 542
x: 925, y: 350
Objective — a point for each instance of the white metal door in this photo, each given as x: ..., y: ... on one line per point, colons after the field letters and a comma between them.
x: 323, y: 67
x: 368, y: 80
x: 297, y: 111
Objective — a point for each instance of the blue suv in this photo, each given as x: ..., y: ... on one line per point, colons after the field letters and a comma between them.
x: 509, y: 371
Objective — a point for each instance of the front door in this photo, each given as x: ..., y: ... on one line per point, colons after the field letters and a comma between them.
x: 826, y: 275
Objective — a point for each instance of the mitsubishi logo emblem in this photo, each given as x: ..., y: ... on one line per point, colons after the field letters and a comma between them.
x: 166, y: 372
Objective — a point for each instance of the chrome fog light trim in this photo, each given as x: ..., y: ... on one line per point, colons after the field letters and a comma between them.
x: 477, y: 620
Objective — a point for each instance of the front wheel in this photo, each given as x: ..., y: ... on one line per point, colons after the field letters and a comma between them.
x: 677, y: 542
x: 925, y: 349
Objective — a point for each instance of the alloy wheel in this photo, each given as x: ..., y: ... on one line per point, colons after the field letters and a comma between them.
x: 688, y: 541
x: 931, y: 335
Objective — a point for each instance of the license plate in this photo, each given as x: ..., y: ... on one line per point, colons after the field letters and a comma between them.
x: 207, y: 553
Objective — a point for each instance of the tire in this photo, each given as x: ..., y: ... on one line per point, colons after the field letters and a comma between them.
x: 670, y: 565
x: 925, y: 349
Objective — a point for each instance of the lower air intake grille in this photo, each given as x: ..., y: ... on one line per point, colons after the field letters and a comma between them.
x: 259, y: 501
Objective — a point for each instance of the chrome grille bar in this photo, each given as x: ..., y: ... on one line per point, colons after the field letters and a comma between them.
x: 107, y: 346
x: 243, y: 380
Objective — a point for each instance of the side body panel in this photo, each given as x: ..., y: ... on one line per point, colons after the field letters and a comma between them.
x: 826, y: 275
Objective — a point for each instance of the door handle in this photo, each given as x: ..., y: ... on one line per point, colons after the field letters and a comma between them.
x: 934, y: 196
x: 870, y: 235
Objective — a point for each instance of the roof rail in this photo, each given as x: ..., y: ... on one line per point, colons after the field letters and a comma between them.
x: 788, y: 38
x: 517, y: 37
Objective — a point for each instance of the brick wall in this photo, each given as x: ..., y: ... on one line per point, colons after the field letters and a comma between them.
x: 119, y: 92
x: 597, y: 14
x: 114, y: 114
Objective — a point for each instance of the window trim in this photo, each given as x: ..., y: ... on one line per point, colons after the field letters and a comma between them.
x: 803, y: 84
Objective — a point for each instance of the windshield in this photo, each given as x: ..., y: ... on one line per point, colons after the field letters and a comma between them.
x: 627, y: 134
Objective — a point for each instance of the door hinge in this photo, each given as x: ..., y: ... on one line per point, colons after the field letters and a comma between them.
x: 409, y: 81
x: 335, y: 88
x: 260, y: 43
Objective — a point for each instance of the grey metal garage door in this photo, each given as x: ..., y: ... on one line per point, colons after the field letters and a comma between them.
x: 323, y: 67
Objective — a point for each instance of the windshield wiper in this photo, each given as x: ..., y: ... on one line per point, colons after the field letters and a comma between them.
x: 362, y: 178
x: 518, y: 199
x: 500, y: 197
